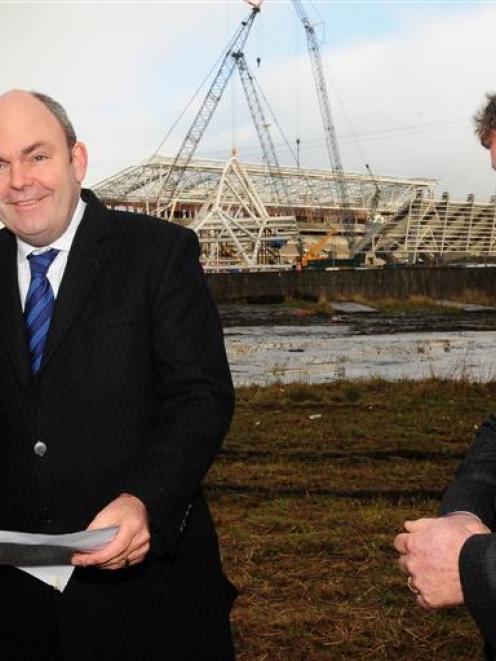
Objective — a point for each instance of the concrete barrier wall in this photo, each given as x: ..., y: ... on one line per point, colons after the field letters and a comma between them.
x: 477, y: 285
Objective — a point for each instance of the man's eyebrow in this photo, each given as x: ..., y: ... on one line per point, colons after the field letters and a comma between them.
x: 33, y: 147
x: 29, y: 149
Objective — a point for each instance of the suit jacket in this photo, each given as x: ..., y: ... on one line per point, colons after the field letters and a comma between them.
x: 474, y: 490
x: 133, y: 395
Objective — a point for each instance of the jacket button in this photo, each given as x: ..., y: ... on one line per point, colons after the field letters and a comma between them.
x: 40, y: 449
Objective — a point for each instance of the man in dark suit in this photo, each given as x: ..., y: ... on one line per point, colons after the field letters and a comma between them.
x: 115, y: 395
x: 451, y: 560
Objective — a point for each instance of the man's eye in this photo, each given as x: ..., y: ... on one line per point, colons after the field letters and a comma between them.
x: 38, y: 158
x: 3, y: 166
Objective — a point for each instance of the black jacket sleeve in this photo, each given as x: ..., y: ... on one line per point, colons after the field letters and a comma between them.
x: 474, y: 490
x: 474, y: 486
x: 478, y: 577
x: 194, y: 390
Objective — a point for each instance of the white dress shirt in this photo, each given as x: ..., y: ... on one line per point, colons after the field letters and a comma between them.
x: 57, y: 267
x: 57, y: 576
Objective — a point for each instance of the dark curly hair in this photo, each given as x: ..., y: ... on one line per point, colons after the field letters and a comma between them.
x: 485, y: 120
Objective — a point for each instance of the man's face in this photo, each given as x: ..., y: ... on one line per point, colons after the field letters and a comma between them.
x: 491, y: 145
x: 39, y: 176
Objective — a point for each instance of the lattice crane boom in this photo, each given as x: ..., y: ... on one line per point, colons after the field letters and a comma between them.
x: 206, y: 110
x: 262, y: 127
x: 325, y: 110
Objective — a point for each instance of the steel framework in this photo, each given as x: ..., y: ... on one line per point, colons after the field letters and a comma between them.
x: 309, y: 190
x: 428, y: 229
x: 235, y: 229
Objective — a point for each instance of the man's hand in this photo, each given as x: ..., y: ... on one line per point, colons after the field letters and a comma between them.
x: 131, y: 543
x: 429, y: 554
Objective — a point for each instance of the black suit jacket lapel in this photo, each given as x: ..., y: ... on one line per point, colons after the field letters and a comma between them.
x: 12, y: 328
x: 86, y: 258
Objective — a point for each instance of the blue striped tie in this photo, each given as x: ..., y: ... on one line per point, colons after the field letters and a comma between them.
x: 39, y: 305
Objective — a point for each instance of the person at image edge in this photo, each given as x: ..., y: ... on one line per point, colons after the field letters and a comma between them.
x: 451, y: 559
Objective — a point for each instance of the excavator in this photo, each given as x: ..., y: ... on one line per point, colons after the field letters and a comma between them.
x: 313, y: 259
x: 313, y: 254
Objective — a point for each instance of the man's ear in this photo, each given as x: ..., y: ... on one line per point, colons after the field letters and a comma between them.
x: 79, y: 161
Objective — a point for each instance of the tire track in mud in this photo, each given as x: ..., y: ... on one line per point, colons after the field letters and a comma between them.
x: 352, y: 457
x: 390, y: 495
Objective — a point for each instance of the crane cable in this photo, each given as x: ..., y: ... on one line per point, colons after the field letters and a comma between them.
x: 274, y: 119
x: 214, y: 67
x: 286, y: 141
x: 297, y: 78
x: 232, y: 95
x: 351, y: 127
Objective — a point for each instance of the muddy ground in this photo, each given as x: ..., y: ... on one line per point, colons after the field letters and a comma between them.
x: 370, y: 323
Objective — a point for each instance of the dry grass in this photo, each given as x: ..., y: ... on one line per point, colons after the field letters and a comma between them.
x: 476, y: 296
x: 313, y: 484
x: 420, y: 303
x: 320, y: 307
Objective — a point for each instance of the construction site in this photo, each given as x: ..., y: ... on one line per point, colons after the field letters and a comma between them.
x: 267, y: 216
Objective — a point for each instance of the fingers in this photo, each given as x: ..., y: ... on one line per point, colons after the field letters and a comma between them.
x: 404, y: 563
x: 119, y: 562
x: 116, y: 554
x: 401, y: 542
x: 128, y: 558
x: 429, y: 555
x: 129, y: 514
x: 116, y: 549
x: 421, y: 602
x: 419, y: 524
x: 138, y: 555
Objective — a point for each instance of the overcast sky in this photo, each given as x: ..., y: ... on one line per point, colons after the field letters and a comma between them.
x: 404, y: 79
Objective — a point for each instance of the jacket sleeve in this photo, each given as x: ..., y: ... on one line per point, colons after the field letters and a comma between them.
x: 474, y: 490
x: 474, y: 486
x: 478, y: 578
x: 193, y: 389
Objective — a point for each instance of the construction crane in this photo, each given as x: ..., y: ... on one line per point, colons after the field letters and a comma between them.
x: 269, y: 155
x: 374, y: 204
x: 325, y: 111
x: 206, y: 110
x: 314, y: 252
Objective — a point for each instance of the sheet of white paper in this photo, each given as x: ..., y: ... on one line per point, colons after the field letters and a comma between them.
x: 47, y: 557
x: 57, y: 576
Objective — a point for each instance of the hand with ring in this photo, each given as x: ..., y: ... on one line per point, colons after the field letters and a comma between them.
x: 429, y: 555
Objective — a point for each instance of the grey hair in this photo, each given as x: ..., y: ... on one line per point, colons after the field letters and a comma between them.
x: 60, y: 115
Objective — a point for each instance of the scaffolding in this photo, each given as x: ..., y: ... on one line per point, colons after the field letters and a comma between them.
x: 429, y: 230
x: 235, y: 229
x: 308, y: 189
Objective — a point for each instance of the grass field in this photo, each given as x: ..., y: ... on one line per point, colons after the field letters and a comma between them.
x: 308, y: 493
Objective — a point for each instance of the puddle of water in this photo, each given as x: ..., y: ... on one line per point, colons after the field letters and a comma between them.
x: 318, y: 354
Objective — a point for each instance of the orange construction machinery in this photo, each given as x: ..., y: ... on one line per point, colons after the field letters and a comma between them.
x: 314, y: 252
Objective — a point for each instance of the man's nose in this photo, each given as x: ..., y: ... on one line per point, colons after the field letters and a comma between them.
x: 19, y: 176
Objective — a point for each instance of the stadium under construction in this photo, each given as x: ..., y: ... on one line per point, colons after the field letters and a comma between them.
x: 268, y: 216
